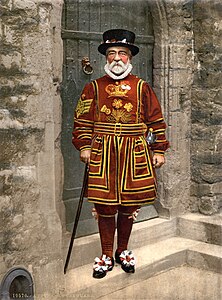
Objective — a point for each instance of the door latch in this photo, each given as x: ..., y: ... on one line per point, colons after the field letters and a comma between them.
x: 86, y: 66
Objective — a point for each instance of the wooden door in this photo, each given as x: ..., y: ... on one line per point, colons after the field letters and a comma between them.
x: 84, y: 21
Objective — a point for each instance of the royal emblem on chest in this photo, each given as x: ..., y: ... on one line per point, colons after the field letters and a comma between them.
x: 118, y: 90
x: 117, y: 110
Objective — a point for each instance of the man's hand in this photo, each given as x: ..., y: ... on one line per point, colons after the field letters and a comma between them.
x: 85, y: 156
x: 158, y: 160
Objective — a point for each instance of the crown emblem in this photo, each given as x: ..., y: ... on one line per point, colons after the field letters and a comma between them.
x: 117, y: 90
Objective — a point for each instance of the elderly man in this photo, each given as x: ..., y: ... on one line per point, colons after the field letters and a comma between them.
x: 113, y: 118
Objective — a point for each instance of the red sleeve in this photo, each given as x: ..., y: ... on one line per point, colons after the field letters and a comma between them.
x: 154, y: 119
x: 84, y: 119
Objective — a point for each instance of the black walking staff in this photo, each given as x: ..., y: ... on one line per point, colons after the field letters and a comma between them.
x: 85, y: 179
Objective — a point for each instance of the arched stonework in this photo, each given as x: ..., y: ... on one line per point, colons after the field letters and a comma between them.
x: 173, y: 61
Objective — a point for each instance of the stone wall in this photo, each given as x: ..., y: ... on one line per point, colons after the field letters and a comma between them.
x: 173, y: 78
x: 187, y: 69
x: 206, y: 130
x: 30, y: 122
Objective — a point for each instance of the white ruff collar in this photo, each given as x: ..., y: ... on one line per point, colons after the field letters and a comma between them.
x: 118, y: 77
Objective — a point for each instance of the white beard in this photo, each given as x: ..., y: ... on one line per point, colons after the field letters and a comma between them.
x: 118, y: 70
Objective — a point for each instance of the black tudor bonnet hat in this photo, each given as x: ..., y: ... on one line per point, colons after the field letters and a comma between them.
x: 118, y: 37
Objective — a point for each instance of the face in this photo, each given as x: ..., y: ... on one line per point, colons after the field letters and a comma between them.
x: 118, y: 59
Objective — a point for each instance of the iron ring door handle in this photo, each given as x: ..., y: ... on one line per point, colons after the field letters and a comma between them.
x: 86, y: 66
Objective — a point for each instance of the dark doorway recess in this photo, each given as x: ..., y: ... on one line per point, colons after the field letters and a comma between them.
x: 83, y: 25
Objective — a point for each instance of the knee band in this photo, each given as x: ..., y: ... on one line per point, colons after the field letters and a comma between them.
x: 95, y: 214
x: 125, y: 214
x: 106, y: 216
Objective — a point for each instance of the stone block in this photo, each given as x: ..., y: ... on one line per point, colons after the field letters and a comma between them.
x: 204, y: 189
x: 206, y: 114
x: 24, y: 5
x: 206, y: 78
x: 12, y: 59
x: 179, y: 100
x: 202, y: 228
x: 207, y: 157
x: 193, y: 204
x: 7, y: 121
x: 210, y: 173
x: 180, y: 78
x: 180, y: 20
x: 200, y: 132
x: 209, y: 205
x: 201, y: 97
x: 17, y: 221
x: 9, y: 35
x: 197, y: 145
x: 180, y: 56
x: 28, y: 142
x: 11, y: 89
x: 28, y: 173
x: 205, y: 256
x: 6, y: 207
x: 5, y: 181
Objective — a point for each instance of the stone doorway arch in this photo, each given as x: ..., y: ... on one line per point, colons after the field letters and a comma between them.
x: 173, y: 60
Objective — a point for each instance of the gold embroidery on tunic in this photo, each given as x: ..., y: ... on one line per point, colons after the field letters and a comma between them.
x: 128, y: 107
x: 117, y: 103
x: 119, y: 116
x: 83, y: 106
x: 106, y: 110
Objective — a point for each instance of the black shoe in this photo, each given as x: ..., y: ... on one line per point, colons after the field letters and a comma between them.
x: 102, y: 266
x: 126, y: 260
x: 117, y: 258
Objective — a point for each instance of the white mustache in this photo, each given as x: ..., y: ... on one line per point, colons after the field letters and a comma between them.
x: 117, y: 75
x: 115, y: 63
x: 118, y: 67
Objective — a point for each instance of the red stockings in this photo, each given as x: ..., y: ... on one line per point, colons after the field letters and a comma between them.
x: 106, y: 223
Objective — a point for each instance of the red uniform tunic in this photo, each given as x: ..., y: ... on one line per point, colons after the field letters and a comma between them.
x: 112, y: 119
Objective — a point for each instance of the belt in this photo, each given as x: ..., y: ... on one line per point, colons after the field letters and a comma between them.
x: 120, y: 129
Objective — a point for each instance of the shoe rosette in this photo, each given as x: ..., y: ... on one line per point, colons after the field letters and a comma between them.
x: 127, y: 258
x: 103, y: 264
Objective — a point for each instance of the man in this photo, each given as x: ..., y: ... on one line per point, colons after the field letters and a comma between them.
x: 113, y: 117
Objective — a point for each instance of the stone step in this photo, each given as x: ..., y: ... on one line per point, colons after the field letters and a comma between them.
x: 205, y: 256
x: 151, y: 260
x: 85, y: 249
x: 180, y: 283
x: 198, y: 227
x: 157, y: 249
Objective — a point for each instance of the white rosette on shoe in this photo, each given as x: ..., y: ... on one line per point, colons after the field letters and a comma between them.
x: 103, y: 264
x: 127, y: 258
